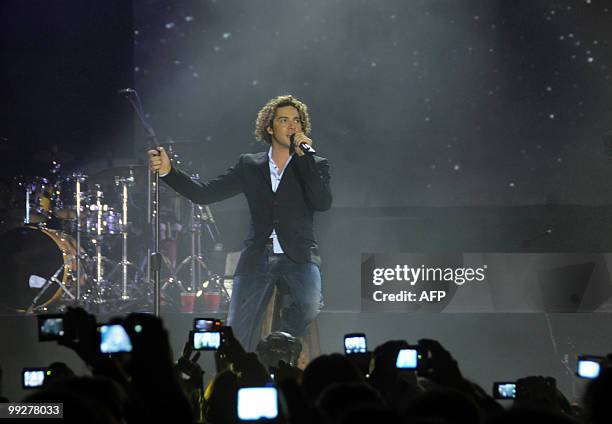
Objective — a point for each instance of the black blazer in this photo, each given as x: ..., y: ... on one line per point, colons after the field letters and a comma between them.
x: 303, y: 189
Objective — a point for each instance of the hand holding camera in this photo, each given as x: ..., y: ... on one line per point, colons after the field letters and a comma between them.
x: 439, y: 365
x: 76, y: 329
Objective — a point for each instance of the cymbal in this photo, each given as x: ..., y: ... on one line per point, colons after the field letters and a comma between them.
x: 123, y: 171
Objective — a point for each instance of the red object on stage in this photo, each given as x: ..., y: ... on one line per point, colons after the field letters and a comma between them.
x: 211, y: 301
x: 188, y: 302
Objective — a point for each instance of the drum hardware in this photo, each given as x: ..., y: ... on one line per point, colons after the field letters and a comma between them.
x: 47, y: 284
x: 70, y: 214
x: 195, y: 259
x: 70, y: 194
x: 35, y: 258
x: 78, y: 207
x: 97, y: 208
x: 37, y: 196
x: 201, y: 216
x: 78, y: 236
x: 124, y: 183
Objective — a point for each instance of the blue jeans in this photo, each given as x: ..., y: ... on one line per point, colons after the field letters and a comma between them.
x: 251, y: 294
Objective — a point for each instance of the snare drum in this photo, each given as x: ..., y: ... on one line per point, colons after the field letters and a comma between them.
x: 30, y: 257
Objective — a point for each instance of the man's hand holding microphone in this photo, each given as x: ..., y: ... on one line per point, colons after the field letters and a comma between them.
x: 301, y: 144
x: 159, y: 161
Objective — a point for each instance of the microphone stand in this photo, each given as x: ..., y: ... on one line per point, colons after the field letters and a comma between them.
x: 156, y: 255
x: 154, y: 258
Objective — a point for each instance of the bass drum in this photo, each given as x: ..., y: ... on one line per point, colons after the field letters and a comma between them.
x: 31, y: 256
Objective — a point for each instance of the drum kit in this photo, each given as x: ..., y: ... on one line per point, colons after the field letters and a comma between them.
x: 60, y: 238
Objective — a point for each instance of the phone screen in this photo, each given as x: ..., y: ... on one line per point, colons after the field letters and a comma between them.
x: 588, y: 368
x: 50, y: 327
x: 114, y: 339
x: 33, y: 377
x: 206, y: 324
x: 206, y: 340
x: 355, y: 344
x: 407, y: 359
x: 504, y: 390
x: 256, y: 403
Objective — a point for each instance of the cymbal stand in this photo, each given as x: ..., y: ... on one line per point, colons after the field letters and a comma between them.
x: 201, y: 215
x: 215, y: 236
x: 98, y: 237
x: 124, y: 183
x: 195, y: 259
x: 79, y: 229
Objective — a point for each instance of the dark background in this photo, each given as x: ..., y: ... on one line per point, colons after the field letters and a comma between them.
x: 474, y: 126
x: 471, y: 126
x: 415, y: 103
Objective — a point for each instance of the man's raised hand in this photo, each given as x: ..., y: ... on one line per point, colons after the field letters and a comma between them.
x: 159, y: 160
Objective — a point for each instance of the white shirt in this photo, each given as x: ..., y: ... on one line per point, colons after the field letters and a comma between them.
x: 275, y: 178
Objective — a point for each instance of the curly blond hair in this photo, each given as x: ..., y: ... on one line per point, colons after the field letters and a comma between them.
x: 266, y: 116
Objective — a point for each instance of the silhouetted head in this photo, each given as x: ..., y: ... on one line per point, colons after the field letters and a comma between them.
x: 448, y: 405
x: 220, y: 398
x: 338, y: 399
x: 598, y: 407
x: 326, y: 370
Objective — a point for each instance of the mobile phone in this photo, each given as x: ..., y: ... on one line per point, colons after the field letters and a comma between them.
x: 504, y: 390
x: 206, y: 324
x: 408, y: 358
x: 589, y: 366
x: 205, y: 340
x: 355, y: 343
x: 50, y: 327
x: 114, y: 339
x: 32, y: 378
x: 257, y: 403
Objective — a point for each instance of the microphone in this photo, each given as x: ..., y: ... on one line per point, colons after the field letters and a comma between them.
x: 306, y: 148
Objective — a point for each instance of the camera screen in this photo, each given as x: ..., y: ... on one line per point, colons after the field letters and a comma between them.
x: 256, y: 403
x: 507, y: 390
x: 114, y: 339
x: 206, y: 324
x: 33, y: 378
x: 407, y: 358
x: 50, y: 328
x: 588, y: 369
x: 206, y: 340
x: 355, y: 344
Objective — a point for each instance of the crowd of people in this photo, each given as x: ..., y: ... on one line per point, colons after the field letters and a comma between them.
x: 148, y: 386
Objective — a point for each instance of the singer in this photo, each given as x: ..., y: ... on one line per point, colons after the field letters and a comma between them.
x: 283, y: 187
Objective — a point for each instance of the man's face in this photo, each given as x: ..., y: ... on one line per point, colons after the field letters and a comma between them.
x: 286, y: 122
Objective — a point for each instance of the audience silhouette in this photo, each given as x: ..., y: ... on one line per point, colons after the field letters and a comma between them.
x: 146, y: 385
